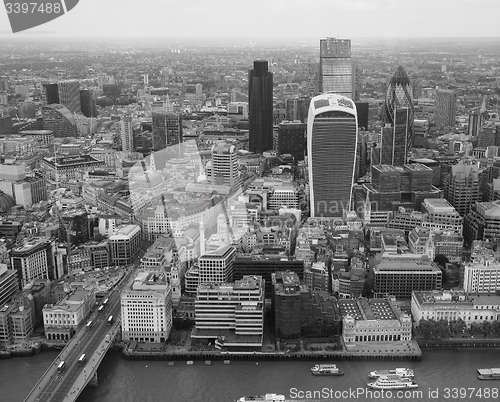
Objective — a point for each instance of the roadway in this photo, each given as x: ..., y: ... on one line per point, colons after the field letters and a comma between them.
x: 60, y: 386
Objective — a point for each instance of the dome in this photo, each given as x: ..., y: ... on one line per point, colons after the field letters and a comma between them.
x: 6, y: 202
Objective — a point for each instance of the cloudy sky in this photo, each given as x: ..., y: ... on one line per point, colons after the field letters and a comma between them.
x: 272, y: 18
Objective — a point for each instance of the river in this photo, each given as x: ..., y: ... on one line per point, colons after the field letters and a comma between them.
x: 442, y: 376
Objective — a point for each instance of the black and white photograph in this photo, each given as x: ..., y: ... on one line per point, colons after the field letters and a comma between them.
x: 249, y: 201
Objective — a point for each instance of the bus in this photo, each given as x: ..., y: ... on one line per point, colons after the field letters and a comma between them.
x: 82, y: 359
x: 100, y: 309
x: 105, y: 302
x: 60, y: 366
x: 110, y: 320
x: 89, y: 324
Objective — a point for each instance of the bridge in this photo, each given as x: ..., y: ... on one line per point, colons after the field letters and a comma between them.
x: 65, y: 385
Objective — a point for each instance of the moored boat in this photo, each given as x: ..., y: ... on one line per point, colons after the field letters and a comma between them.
x: 489, y: 374
x: 402, y: 372
x: 392, y: 382
x: 190, y: 362
x: 326, y: 369
x: 171, y: 364
x: 262, y: 398
x: 227, y: 362
x: 208, y: 362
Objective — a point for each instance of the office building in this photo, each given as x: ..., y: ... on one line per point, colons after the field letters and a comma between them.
x: 332, y: 133
x: 146, y: 308
x: 336, y: 73
x: 482, y: 275
x: 59, y: 120
x: 69, y: 95
x: 9, y: 284
x: 167, y: 130
x: 35, y: 258
x: 441, y: 215
x: 16, y: 323
x: 51, y: 94
x: 299, y: 312
x: 217, y: 266
x: 124, y: 244
x: 292, y: 139
x: 377, y: 320
x: 6, y: 125
x: 483, y: 221
x: 461, y: 187
x: 297, y: 109
x: 127, y: 134
x: 224, y: 165
x: 75, y: 223
x: 260, y: 107
x: 265, y: 265
x: 232, y: 314
x: 445, y: 107
x: 399, y: 276
x: 453, y: 305
x: 87, y: 103
x: 72, y: 167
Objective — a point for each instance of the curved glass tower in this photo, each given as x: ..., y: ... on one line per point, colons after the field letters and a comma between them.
x: 397, y: 135
x: 332, y: 132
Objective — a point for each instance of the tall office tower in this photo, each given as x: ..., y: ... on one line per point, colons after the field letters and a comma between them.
x: 461, y: 187
x: 224, y: 169
x: 292, y: 139
x: 50, y: 93
x: 87, y: 103
x: 417, y: 88
x: 332, y: 131
x: 217, y: 266
x: 59, y: 120
x: 398, y: 115
x: 445, y: 107
x: 167, y: 130
x: 475, y: 122
x: 297, y: 108
x: 127, y: 134
x: 199, y: 89
x: 69, y: 95
x: 336, y: 70
x: 146, y: 79
x: 260, y: 105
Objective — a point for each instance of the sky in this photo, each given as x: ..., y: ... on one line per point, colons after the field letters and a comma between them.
x: 271, y: 19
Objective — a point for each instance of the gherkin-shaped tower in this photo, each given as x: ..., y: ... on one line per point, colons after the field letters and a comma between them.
x: 399, y: 95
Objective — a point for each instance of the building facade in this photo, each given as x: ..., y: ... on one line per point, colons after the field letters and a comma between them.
x: 336, y: 74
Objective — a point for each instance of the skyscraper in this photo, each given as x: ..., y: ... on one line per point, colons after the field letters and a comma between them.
x: 69, y: 95
x: 332, y: 131
x: 336, y: 71
x: 167, y: 129
x: 445, y: 107
x: 260, y: 103
x: 51, y: 93
x: 398, y: 115
x: 224, y: 165
x: 127, y: 134
x: 292, y: 139
x: 87, y: 103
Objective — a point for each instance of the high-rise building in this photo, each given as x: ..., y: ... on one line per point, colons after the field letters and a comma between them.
x: 336, y: 68
x: 59, y: 119
x: 461, y: 187
x: 167, y: 130
x: 127, y: 134
x: 398, y: 115
x: 332, y: 131
x: 9, y: 284
x: 69, y: 95
x: 125, y: 244
x: 51, y: 94
x: 260, y: 105
x: 217, y: 266
x: 87, y: 103
x: 292, y: 139
x: 445, y: 107
x: 146, y: 308
x: 224, y: 170
x: 297, y: 108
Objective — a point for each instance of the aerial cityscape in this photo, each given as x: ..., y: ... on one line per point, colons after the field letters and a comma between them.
x: 234, y: 218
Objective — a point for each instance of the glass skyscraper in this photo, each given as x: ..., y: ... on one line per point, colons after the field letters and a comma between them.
x: 336, y: 68
x: 332, y: 132
x: 397, y: 133
x: 260, y: 108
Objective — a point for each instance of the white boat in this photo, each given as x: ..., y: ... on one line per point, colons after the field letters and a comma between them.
x: 326, y: 369
x: 190, y: 362
x: 489, y: 374
x: 393, y: 382
x: 402, y: 372
x: 263, y: 398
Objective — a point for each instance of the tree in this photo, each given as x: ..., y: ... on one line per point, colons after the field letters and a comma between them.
x: 486, y: 328
x: 475, y: 328
x: 457, y: 326
x: 442, y: 329
x: 425, y: 327
x: 441, y: 260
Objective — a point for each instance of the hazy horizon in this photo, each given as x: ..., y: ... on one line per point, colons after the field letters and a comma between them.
x: 280, y: 19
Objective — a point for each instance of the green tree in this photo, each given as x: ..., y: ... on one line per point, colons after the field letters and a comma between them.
x: 486, y: 328
x: 496, y: 328
x: 442, y: 329
x: 475, y: 328
x: 441, y: 260
x: 457, y: 326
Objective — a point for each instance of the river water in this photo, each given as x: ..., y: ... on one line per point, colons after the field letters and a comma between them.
x: 442, y: 376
